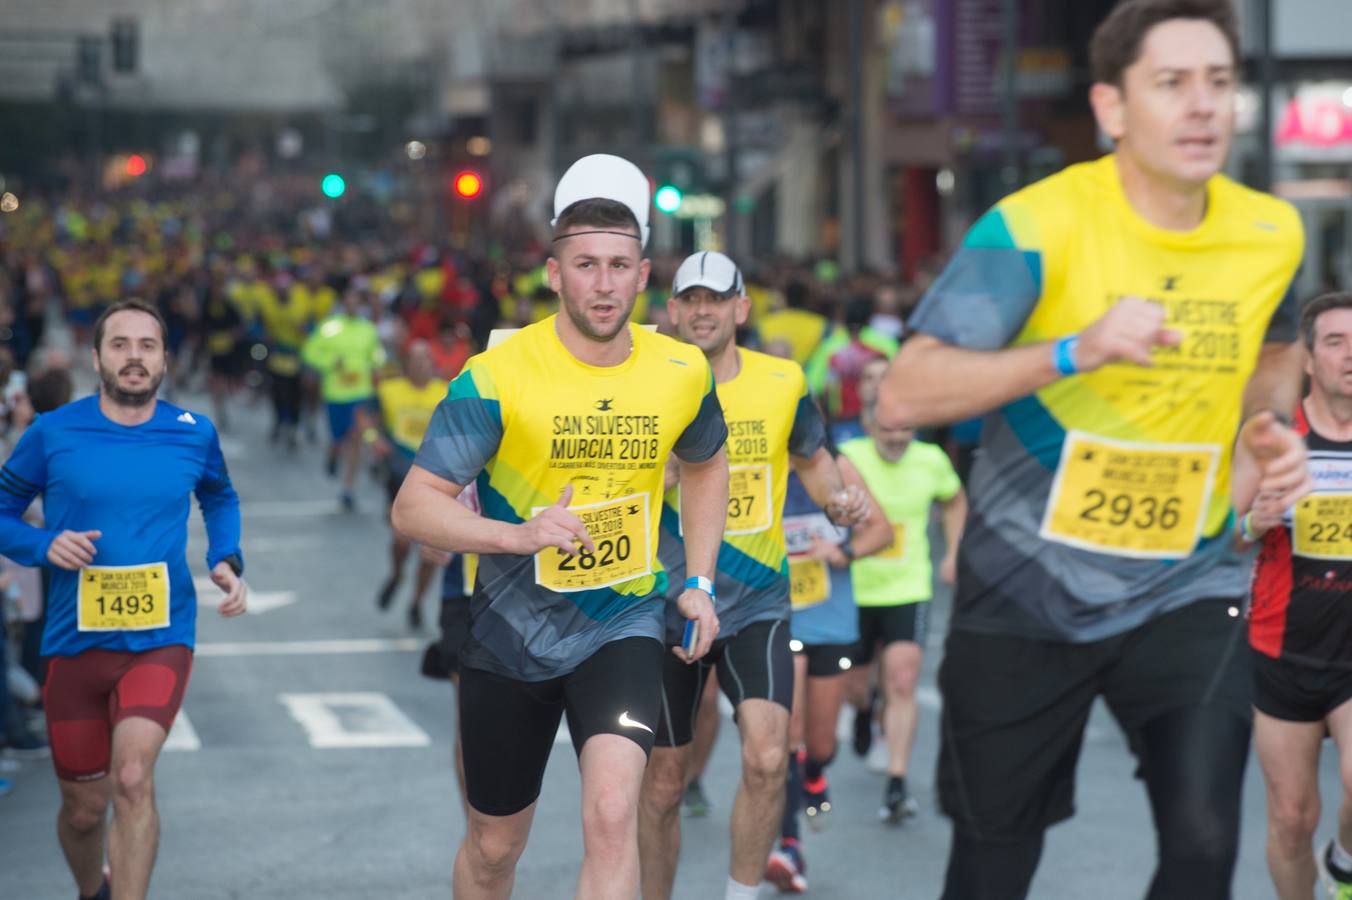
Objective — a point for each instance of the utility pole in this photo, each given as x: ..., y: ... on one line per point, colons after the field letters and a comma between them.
x: 1011, y: 173
x: 1267, y: 77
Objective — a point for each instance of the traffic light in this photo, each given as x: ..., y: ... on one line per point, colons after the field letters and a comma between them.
x: 126, y: 40
x: 333, y: 186
x: 468, y: 184
x: 668, y: 198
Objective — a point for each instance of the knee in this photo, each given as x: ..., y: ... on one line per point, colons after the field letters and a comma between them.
x: 83, y: 816
x: 132, y: 783
x: 1205, y: 842
x: 663, y: 784
x: 902, y: 678
x: 610, y: 817
x: 494, y: 851
x: 764, y: 765
x: 1292, y: 825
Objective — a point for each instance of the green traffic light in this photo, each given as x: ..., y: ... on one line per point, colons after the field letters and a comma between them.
x: 668, y: 198
x: 333, y: 185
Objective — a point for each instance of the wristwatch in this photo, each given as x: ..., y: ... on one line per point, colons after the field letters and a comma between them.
x: 700, y: 583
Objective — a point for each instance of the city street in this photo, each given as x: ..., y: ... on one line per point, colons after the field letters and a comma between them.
x: 312, y: 760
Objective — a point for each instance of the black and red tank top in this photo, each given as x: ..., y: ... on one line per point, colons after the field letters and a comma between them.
x: 1302, y: 585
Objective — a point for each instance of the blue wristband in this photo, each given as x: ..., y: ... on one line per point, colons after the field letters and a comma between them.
x: 700, y: 583
x: 1063, y: 354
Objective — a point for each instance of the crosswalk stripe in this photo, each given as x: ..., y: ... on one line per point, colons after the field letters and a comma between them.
x: 353, y: 720
x: 182, y: 736
x: 306, y: 648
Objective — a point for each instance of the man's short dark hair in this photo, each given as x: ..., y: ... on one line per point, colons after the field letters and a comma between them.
x: 1117, y: 41
x: 129, y: 306
x: 1316, y: 308
x: 599, y: 214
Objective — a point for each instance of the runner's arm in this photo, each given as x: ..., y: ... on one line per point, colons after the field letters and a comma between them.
x: 220, y: 507
x: 704, y: 508
x: 875, y: 533
x: 954, y: 516
x: 932, y: 383
x: 1274, y: 386
x: 845, y: 504
x: 23, y: 477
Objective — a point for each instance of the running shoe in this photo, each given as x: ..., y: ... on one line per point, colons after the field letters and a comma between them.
x: 5, y: 786
x: 863, y: 728
x: 816, y: 802
x: 786, y: 869
x: 415, y: 620
x: 349, y: 502
x: 695, y: 803
x: 1333, y: 883
x: 898, y: 804
x: 386, y: 595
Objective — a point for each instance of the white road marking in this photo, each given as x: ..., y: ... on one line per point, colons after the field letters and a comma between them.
x: 182, y: 736
x: 353, y: 720
x: 308, y: 648
x: 260, y: 602
x: 282, y: 543
x: 289, y: 509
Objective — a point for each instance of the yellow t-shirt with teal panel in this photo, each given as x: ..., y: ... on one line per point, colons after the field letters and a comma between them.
x: 526, y: 419
x: 770, y: 416
x: 1102, y: 500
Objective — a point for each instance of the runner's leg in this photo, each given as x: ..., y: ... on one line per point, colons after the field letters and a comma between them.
x: 1289, y: 755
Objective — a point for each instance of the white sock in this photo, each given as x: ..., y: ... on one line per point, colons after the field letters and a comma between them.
x: 738, y: 891
x: 1341, y: 858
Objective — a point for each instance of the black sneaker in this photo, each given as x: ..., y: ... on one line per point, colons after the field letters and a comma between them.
x: 415, y: 618
x: 898, y: 804
x: 387, y: 592
x: 863, y: 727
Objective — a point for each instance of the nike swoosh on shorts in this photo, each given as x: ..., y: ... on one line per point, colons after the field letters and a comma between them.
x: 626, y: 722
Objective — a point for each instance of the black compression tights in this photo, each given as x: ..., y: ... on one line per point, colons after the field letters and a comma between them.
x: 1193, y: 766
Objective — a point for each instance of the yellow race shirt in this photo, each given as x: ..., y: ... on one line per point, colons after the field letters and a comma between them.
x: 526, y: 419
x: 1102, y: 500
x: 769, y: 416
x: 406, y: 410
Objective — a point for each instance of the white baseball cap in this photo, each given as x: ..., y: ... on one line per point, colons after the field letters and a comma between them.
x: 602, y: 176
x: 709, y: 269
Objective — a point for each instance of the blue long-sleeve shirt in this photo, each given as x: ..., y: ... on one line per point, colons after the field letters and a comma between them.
x: 132, y: 483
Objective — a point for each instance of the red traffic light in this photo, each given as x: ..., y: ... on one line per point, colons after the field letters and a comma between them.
x: 136, y: 165
x: 468, y: 184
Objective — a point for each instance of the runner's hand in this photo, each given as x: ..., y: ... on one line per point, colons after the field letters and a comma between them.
x: 695, y: 604
x: 1125, y: 333
x: 73, y: 549
x: 555, y: 526
x: 827, y: 552
x: 848, y: 507
x: 1266, y: 514
x: 236, y: 591
x: 1281, y: 456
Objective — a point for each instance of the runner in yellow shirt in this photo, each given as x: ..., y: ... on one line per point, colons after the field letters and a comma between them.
x: 406, y: 407
x: 1120, y: 324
